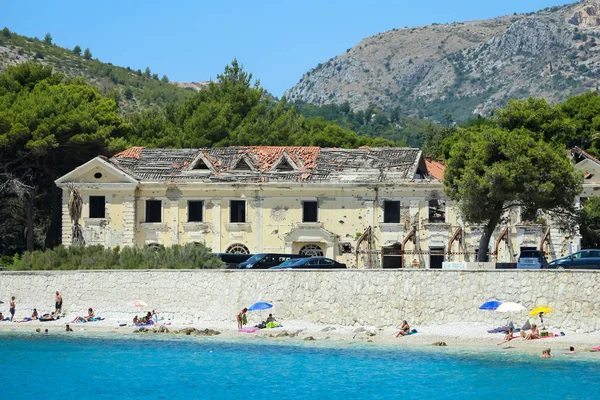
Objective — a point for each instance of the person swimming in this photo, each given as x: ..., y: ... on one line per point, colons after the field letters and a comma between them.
x: 546, y: 354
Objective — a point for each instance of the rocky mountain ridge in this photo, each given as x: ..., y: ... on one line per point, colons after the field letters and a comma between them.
x: 467, y: 68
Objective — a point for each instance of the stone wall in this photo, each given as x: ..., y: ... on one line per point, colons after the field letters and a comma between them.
x: 353, y: 297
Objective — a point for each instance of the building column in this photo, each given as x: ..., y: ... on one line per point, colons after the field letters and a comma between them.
x: 216, y: 210
x: 257, y: 226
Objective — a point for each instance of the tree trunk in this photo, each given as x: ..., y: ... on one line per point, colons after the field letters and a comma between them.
x: 29, y: 222
x: 484, y: 242
x: 53, y: 235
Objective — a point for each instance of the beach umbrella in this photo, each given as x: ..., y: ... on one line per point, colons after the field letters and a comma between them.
x: 260, y: 306
x: 510, y: 307
x: 139, y: 304
x: 537, y: 310
x: 490, y: 305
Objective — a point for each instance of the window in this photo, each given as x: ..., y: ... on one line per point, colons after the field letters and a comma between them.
x: 437, y: 211
x: 391, y: 212
x: 153, y: 211
x: 237, y: 211
x: 237, y: 249
x: 310, y: 211
x: 242, y: 165
x: 195, y: 211
x: 97, y: 207
x: 201, y: 165
x: 284, y: 166
x: 311, y: 250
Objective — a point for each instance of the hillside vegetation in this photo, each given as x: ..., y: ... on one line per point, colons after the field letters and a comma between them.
x: 457, y: 71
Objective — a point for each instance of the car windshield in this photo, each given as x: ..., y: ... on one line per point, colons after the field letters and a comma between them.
x: 291, y: 261
x: 255, y: 258
x: 531, y: 254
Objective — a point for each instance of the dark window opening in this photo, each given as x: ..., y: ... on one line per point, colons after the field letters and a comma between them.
x: 153, y: 211
x: 345, y: 247
x: 284, y: 165
x: 97, y: 207
x: 487, y: 256
x: 391, y: 212
x: 98, y: 175
x: 436, y: 257
x: 242, y: 165
x: 200, y: 165
x: 195, y: 210
x: 237, y: 211
x: 310, y: 211
x: 437, y: 211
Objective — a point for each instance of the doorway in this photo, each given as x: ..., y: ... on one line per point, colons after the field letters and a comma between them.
x: 436, y: 257
x: 392, y: 256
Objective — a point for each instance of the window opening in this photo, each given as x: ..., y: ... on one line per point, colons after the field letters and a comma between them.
x: 310, y: 211
x: 311, y: 250
x: 200, y: 165
x: 237, y: 249
x: 436, y: 257
x: 242, y: 165
x: 97, y: 207
x: 284, y: 166
x: 195, y: 211
x: 153, y: 211
x: 391, y: 212
x: 437, y: 211
x: 237, y: 211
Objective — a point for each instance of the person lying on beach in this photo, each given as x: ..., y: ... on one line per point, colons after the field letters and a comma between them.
x: 508, y: 337
x: 533, y: 334
x: 87, y: 318
x: 34, y: 316
x: 48, y: 317
x: 404, y: 329
x: 546, y: 354
x: 240, y: 318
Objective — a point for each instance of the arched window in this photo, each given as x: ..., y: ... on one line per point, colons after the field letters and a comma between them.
x: 237, y: 249
x: 311, y: 250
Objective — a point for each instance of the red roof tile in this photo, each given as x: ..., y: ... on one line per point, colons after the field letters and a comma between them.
x: 435, y: 168
x: 133, y: 152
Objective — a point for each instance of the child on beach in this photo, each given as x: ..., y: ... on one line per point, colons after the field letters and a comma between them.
x: 241, y: 317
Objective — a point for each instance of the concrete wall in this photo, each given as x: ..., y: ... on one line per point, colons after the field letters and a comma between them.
x: 353, y: 297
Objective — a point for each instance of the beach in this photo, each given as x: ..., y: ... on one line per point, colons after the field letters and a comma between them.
x: 455, y: 336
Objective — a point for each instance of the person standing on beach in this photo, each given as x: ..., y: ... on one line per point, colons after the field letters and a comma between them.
x: 241, y: 317
x: 58, y: 304
x: 12, y: 308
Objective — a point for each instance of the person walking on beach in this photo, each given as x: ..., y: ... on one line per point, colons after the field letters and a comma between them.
x: 12, y: 308
x: 241, y: 318
x: 58, y: 303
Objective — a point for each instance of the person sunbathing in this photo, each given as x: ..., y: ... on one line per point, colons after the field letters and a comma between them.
x: 404, y: 329
x: 534, y: 333
x: 34, y: 316
x: 508, y: 337
x: 48, y: 317
x: 136, y: 320
x: 87, y: 318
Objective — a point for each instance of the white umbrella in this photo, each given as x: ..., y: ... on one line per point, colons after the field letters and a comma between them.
x: 510, y: 307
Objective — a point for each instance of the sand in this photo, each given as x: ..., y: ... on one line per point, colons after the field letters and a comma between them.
x: 456, y: 336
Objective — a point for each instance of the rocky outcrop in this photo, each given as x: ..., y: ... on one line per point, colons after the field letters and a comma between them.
x: 465, y: 68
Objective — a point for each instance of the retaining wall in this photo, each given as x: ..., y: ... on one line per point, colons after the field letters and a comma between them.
x: 353, y: 297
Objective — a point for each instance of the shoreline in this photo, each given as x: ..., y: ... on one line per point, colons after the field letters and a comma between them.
x: 475, y: 338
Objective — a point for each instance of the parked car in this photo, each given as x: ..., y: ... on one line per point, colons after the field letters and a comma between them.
x: 532, y: 259
x: 310, y: 263
x: 232, y: 259
x: 266, y: 260
x: 584, y: 259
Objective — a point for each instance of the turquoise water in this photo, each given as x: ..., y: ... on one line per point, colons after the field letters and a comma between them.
x: 53, y: 367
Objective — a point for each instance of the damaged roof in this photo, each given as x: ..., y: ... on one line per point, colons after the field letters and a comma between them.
x: 272, y: 163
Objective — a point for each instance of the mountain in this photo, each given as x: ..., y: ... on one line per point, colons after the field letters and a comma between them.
x: 135, y: 90
x: 455, y: 71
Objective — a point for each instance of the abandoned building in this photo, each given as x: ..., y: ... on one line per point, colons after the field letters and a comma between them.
x: 368, y: 207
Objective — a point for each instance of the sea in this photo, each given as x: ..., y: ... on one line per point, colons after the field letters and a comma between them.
x: 65, y: 366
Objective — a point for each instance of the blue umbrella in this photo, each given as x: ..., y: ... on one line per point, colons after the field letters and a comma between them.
x: 259, y: 306
x: 490, y: 305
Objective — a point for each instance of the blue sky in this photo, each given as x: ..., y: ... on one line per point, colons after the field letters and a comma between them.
x: 275, y: 40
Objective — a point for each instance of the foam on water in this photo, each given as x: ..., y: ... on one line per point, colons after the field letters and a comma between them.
x: 42, y: 366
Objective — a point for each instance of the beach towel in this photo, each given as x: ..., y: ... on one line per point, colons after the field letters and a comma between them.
x: 244, y: 320
x: 248, y: 330
x: 272, y: 325
x: 413, y: 332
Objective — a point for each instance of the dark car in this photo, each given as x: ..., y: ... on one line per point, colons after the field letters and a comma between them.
x: 310, y: 263
x: 232, y: 259
x: 532, y: 259
x: 584, y: 259
x: 266, y: 260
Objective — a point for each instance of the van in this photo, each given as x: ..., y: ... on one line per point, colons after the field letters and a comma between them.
x: 266, y: 260
x: 232, y: 259
x: 532, y: 259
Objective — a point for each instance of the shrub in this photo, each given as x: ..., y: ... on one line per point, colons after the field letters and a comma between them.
x: 190, y: 256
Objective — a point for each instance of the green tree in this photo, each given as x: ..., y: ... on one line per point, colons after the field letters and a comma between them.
x: 147, y: 72
x: 87, y: 54
x: 77, y: 50
x: 48, y: 38
x: 491, y: 170
x: 590, y: 223
x: 165, y: 79
x: 6, y: 32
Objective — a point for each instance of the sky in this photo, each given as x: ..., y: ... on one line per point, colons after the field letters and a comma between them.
x: 276, y: 40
